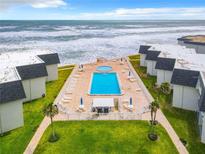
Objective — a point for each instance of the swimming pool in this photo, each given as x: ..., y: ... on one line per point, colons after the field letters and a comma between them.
x: 105, y: 84
x: 104, y: 68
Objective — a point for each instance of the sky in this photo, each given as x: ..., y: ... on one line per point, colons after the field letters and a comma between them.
x: 101, y: 9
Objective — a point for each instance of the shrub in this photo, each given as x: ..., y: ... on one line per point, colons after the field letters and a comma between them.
x: 165, y: 88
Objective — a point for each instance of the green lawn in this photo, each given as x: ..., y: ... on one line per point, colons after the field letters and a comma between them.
x: 16, y: 141
x: 79, y: 137
x: 184, y: 122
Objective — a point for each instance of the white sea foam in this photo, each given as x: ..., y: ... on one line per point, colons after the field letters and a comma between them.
x: 72, y: 31
x: 7, y: 27
x: 106, y: 42
x: 37, y: 34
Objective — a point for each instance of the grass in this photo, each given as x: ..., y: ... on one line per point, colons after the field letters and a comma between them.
x: 16, y: 140
x: 105, y: 137
x: 66, y: 66
x: 184, y: 122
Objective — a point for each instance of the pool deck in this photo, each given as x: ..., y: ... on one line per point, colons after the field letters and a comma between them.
x: 79, y: 86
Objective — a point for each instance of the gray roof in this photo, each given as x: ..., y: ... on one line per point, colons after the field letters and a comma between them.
x: 143, y: 49
x: 50, y: 58
x: 11, y: 91
x: 165, y: 64
x: 185, y: 77
x: 152, y: 55
x: 32, y: 71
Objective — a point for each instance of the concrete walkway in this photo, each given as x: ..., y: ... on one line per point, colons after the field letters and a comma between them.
x: 172, y: 134
x: 37, y: 136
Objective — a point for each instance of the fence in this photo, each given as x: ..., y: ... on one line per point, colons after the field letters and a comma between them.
x: 103, y: 116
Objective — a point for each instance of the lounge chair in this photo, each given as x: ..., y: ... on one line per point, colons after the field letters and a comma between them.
x: 80, y: 109
x: 138, y: 89
x: 145, y: 109
x: 80, y: 69
x: 128, y: 107
x: 76, y: 76
x: 67, y: 98
x: 69, y: 91
x: 132, y: 79
x: 124, y: 71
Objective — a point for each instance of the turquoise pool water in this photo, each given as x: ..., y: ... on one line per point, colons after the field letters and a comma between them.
x: 104, y: 68
x: 105, y: 84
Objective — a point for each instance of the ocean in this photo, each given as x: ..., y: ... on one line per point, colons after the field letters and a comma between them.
x: 84, y: 41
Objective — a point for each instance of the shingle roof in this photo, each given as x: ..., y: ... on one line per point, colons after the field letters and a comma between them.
x: 32, y: 71
x: 152, y: 55
x: 165, y: 64
x: 185, y: 77
x: 11, y: 91
x: 50, y: 58
x: 143, y: 49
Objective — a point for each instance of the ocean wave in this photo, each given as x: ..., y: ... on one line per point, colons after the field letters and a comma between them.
x: 8, y: 27
x: 37, y: 34
x: 106, y: 32
x: 83, y: 42
x: 85, y: 50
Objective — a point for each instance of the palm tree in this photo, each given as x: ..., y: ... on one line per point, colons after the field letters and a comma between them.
x: 165, y: 88
x: 154, y: 106
x: 50, y: 111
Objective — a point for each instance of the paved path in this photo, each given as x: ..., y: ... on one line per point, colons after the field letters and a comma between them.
x: 37, y: 136
x: 172, y: 134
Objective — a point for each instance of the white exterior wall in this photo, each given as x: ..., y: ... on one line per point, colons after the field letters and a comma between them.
x: 181, y: 42
x: 34, y: 88
x: 202, y: 123
x: 52, y: 72
x: 142, y: 60
x: 190, y: 46
x: 200, y: 49
x: 151, y: 67
x: 163, y: 76
x: 185, y: 97
x: 11, y: 115
x: 27, y: 90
